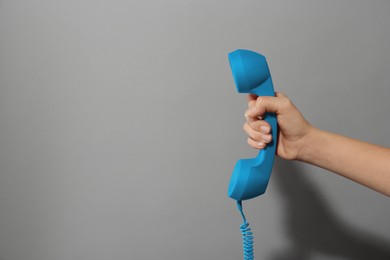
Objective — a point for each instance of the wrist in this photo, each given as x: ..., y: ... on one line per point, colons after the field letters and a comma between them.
x: 309, y: 144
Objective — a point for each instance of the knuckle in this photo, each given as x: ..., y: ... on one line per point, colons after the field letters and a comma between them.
x: 259, y: 100
x: 257, y: 124
x: 286, y: 102
x: 267, y: 100
x: 246, y: 127
x: 251, y: 104
x: 256, y: 136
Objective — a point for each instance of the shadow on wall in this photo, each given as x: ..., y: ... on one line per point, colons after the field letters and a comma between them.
x: 313, y: 227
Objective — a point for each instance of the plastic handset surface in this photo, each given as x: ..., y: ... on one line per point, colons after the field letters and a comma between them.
x: 251, y: 74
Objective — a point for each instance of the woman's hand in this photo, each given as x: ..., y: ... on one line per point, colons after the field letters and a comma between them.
x: 293, y: 128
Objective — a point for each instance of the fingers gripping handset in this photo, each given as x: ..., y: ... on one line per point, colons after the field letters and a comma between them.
x: 251, y: 74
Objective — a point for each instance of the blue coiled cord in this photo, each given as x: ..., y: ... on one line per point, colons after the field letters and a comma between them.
x: 247, y: 236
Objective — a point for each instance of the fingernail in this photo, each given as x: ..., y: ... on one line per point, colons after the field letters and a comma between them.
x: 266, y: 138
x: 264, y: 128
x: 261, y: 144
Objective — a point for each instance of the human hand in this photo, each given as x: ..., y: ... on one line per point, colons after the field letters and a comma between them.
x: 293, y: 127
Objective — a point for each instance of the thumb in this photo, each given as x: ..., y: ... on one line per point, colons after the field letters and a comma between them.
x: 266, y: 104
x: 251, y: 100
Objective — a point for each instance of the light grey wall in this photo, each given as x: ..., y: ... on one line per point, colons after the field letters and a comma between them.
x: 120, y: 126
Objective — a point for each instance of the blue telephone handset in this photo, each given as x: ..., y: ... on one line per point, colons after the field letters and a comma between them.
x: 250, y: 177
x: 251, y: 74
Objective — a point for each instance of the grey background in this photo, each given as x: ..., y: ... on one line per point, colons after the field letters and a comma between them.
x: 120, y: 126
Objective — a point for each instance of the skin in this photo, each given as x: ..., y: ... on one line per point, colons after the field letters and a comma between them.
x: 362, y: 162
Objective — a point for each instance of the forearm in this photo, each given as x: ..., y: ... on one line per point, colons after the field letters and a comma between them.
x: 359, y: 161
